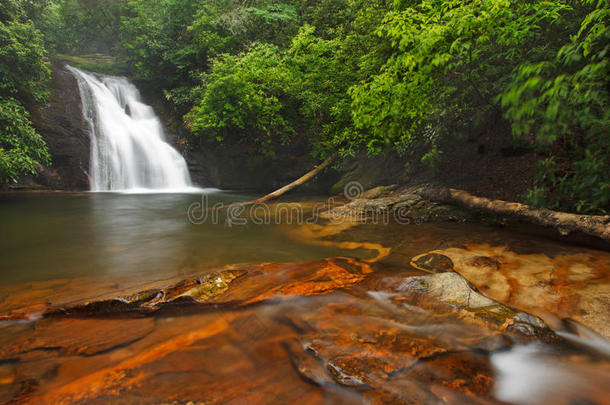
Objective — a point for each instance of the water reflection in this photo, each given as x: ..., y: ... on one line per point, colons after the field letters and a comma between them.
x: 57, y: 235
x: 137, y: 233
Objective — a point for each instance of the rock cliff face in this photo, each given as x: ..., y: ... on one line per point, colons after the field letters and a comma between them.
x: 63, y: 127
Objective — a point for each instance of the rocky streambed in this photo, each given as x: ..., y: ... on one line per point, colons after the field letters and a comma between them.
x: 459, y: 313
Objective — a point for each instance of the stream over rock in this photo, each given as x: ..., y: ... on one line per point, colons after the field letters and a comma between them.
x: 328, y: 330
x: 128, y: 146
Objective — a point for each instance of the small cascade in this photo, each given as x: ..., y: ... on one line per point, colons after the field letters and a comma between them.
x: 129, y: 151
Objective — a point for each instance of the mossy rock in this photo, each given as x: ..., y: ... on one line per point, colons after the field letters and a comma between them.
x: 212, y: 285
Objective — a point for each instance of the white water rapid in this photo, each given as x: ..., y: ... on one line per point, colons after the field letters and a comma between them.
x: 128, y: 148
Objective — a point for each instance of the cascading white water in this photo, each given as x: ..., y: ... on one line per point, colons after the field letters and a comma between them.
x: 128, y: 147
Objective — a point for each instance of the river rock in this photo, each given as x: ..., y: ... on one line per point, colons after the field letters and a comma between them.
x: 404, y: 206
x: 63, y: 335
x: 432, y: 263
x: 235, y: 286
x: 451, y: 289
x: 378, y: 191
x: 324, y: 331
x: 396, y: 350
x: 564, y: 285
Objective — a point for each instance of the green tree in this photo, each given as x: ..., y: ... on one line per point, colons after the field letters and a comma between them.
x: 157, y: 41
x: 323, y: 70
x: 79, y: 27
x: 245, y: 99
x: 174, y: 41
x: 271, y: 96
x: 23, y: 76
x: 563, y: 103
x: 22, y: 150
x: 450, y: 62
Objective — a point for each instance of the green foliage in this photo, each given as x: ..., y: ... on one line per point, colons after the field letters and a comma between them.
x: 458, y: 67
x: 11, y: 10
x: 450, y: 61
x: 353, y: 75
x: 268, y: 97
x: 563, y: 103
x: 322, y: 70
x: 328, y: 16
x: 157, y: 41
x: 23, y: 71
x: 175, y: 40
x: 22, y: 150
x: 306, y: 83
x: 23, y: 76
x: 78, y: 27
x: 274, y: 23
x: 242, y: 99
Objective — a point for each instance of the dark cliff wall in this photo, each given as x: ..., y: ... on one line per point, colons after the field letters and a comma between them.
x: 237, y: 167
x: 63, y: 127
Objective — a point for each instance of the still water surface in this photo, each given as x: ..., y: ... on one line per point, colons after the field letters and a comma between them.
x: 66, y: 235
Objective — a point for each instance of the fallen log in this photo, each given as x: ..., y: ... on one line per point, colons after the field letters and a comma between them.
x: 271, y: 196
x: 301, y: 180
x: 565, y: 223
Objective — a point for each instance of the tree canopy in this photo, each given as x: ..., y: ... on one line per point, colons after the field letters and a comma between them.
x: 354, y: 76
x: 23, y: 76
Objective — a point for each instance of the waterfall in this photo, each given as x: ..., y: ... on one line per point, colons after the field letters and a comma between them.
x: 128, y: 147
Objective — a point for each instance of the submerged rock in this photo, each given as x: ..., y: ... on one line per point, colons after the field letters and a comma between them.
x: 197, y: 290
x: 238, y: 286
x: 432, y: 263
x: 564, y: 285
x: 413, y: 340
x: 76, y: 336
x: 452, y: 289
x: 448, y: 288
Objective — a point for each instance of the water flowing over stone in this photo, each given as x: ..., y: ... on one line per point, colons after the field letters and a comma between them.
x: 129, y: 151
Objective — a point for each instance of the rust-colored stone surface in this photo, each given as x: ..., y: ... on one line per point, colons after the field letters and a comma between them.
x: 565, y: 285
x: 329, y: 331
x: 77, y: 337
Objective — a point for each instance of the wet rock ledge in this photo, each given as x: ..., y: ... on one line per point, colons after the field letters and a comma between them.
x: 326, y: 331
